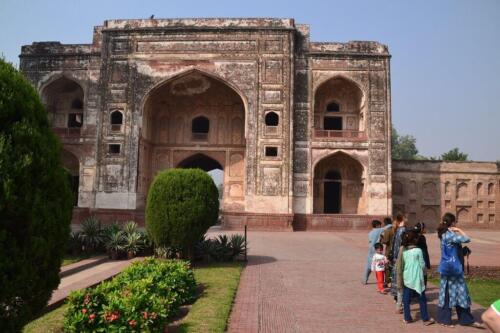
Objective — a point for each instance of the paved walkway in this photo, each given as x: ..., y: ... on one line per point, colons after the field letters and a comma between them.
x: 311, y: 282
x: 87, y: 277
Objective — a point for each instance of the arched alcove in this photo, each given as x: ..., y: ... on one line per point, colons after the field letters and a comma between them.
x: 187, y: 117
x: 338, y: 185
x: 63, y: 99
x: 338, y: 106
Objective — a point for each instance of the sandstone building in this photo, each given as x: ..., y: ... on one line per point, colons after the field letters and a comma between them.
x: 301, y: 129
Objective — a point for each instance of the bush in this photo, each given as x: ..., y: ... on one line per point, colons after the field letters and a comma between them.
x: 140, y: 299
x: 222, y: 248
x: 182, y: 204
x: 92, y: 235
x: 35, y: 202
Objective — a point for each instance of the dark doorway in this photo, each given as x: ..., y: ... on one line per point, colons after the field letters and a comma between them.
x: 332, y: 192
x: 332, y: 123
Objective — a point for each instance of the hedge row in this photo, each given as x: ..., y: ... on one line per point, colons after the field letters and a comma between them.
x: 140, y: 299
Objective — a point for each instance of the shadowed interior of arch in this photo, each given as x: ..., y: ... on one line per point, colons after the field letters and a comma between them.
x: 199, y: 117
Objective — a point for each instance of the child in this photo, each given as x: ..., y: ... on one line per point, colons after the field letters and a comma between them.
x: 379, y: 263
x: 373, y: 237
x: 410, y: 267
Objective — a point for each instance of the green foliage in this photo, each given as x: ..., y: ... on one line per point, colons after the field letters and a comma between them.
x: 143, y: 298
x: 454, y: 155
x: 35, y: 202
x: 92, y: 234
x: 404, y: 147
x: 182, y: 204
x: 221, y: 248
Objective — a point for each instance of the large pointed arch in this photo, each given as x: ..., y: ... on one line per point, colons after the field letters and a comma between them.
x: 338, y: 185
x: 171, y: 136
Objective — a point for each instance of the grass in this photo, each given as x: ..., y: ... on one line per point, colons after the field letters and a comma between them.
x: 51, y: 322
x: 209, y: 313
x: 482, y: 291
x: 69, y: 259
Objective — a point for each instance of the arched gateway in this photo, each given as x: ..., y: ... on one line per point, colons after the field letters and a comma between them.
x: 195, y: 120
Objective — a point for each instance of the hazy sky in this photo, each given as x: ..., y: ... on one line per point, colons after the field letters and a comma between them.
x: 445, y: 54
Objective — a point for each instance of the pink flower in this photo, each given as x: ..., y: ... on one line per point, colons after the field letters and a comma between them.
x: 84, y: 311
x: 132, y: 322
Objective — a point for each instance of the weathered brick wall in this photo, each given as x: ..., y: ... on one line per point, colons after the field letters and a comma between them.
x: 425, y: 190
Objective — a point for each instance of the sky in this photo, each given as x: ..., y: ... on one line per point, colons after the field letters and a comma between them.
x: 445, y: 66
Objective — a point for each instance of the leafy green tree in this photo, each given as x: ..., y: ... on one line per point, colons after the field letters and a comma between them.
x: 35, y: 203
x: 454, y: 155
x: 404, y: 147
x: 181, y: 205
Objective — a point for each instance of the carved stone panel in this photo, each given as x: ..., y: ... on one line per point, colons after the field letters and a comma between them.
x: 301, y: 161
x: 271, y: 180
x: 273, y: 72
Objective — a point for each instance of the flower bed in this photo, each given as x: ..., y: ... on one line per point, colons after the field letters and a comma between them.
x: 143, y: 298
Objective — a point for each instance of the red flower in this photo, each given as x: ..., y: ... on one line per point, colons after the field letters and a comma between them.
x: 91, y: 317
x: 111, y: 316
x: 84, y: 311
x: 145, y: 315
x: 132, y: 322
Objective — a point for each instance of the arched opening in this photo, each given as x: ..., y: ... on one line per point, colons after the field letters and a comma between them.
x: 63, y: 99
x: 272, y: 119
x: 72, y: 165
x: 338, y: 106
x: 193, y: 120
x: 338, y: 185
x: 116, y: 120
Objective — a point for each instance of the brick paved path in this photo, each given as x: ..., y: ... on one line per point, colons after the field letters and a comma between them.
x: 311, y: 282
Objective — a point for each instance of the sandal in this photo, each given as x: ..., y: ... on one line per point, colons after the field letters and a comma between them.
x: 406, y: 322
x: 448, y: 326
x: 429, y: 322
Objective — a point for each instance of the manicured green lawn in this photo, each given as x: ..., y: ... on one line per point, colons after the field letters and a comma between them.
x: 51, y: 322
x: 482, y: 291
x: 209, y: 313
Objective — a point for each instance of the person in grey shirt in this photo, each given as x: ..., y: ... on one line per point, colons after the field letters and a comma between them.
x: 373, y: 238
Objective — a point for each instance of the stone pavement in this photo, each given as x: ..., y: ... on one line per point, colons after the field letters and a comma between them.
x: 311, y: 282
x: 87, y: 277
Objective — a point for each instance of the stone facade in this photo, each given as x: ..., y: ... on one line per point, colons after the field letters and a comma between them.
x: 424, y: 190
x: 301, y: 129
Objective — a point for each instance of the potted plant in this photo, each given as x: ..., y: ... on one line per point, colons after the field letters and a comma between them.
x: 133, y: 244
x: 115, y: 244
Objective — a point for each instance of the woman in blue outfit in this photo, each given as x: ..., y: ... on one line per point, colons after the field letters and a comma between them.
x: 453, y: 290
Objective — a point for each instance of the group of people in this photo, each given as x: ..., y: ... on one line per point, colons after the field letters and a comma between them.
x: 399, y: 258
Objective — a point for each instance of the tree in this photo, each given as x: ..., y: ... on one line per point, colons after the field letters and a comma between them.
x: 181, y: 205
x: 35, y: 203
x: 454, y: 155
x: 404, y: 146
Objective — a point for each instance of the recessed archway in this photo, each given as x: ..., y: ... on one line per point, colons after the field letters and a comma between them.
x: 339, y: 106
x: 63, y: 99
x: 338, y: 185
x: 194, y: 120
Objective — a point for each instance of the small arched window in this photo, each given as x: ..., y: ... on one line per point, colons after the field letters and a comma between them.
x: 200, y: 127
x: 272, y: 119
x: 333, y: 107
x: 116, y: 120
x: 77, y: 104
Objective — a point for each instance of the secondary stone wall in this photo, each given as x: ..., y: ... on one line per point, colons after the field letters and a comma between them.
x: 425, y: 190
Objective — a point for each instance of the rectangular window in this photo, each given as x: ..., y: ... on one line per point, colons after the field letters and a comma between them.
x: 332, y: 123
x: 271, y: 151
x: 75, y: 120
x: 114, y: 149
